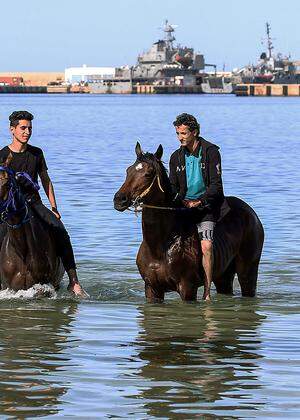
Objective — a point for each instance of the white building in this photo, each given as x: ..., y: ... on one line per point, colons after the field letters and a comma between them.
x: 85, y: 73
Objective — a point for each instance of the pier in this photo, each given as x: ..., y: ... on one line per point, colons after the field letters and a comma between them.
x: 167, y: 89
x: 258, y: 89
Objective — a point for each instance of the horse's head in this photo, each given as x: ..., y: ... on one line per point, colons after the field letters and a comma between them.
x: 12, y: 199
x: 141, y: 178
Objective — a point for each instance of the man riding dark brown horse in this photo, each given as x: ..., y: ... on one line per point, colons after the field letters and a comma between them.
x: 19, y: 156
x: 169, y: 258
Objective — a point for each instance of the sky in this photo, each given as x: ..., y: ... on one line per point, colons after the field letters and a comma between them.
x: 55, y: 34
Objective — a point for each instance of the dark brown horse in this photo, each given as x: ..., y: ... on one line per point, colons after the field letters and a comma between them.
x: 27, y: 250
x: 169, y: 258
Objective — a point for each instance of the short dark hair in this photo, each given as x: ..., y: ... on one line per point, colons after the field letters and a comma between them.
x: 188, y: 120
x: 16, y: 116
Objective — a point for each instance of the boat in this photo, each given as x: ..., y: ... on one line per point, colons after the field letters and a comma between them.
x: 165, y: 68
x: 270, y: 68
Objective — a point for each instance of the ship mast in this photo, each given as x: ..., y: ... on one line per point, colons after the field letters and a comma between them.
x: 269, y: 40
x: 169, y: 37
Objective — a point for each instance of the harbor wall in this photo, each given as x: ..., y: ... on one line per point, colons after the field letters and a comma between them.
x: 256, y: 89
x: 23, y: 89
x: 166, y: 89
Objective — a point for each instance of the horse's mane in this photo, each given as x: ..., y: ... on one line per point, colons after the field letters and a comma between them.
x: 160, y: 170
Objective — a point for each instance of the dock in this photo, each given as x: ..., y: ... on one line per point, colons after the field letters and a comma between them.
x: 166, y: 89
x: 268, y: 89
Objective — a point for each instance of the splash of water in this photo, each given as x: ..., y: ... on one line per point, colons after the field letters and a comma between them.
x: 36, y: 291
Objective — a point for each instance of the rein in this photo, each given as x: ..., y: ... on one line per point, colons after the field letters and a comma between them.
x: 161, y: 207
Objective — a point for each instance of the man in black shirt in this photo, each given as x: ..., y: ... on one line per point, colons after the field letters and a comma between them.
x: 30, y: 159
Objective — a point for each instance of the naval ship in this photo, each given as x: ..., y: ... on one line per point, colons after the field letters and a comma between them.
x: 165, y: 68
x: 270, y: 68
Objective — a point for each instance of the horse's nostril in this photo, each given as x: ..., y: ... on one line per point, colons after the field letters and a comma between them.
x: 120, y: 198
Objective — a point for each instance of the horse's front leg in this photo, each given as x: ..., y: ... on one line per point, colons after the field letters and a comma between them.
x: 152, y: 295
x: 187, y: 291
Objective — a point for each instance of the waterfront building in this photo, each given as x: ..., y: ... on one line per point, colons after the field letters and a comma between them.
x: 86, y: 74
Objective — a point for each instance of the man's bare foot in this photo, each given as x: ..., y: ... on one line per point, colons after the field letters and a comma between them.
x: 206, y: 297
x: 77, y: 290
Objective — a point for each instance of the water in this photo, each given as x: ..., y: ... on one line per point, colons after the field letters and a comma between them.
x: 114, y: 355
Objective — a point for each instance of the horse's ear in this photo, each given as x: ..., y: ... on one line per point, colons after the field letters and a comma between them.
x: 138, y: 149
x: 159, y: 152
x: 8, y: 160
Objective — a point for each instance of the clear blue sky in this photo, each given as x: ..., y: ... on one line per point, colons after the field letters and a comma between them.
x: 51, y: 35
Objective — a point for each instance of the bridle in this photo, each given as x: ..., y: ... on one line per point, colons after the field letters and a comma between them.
x: 138, y: 205
x: 148, y: 189
x: 8, y: 208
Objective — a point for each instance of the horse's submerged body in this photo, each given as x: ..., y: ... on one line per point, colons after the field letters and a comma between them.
x: 28, y: 257
x: 27, y: 250
x: 169, y: 258
x: 172, y: 261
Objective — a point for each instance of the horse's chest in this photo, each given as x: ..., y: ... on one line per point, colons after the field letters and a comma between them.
x: 156, y: 270
x: 24, y: 270
x: 167, y: 267
x: 164, y: 268
x: 152, y: 267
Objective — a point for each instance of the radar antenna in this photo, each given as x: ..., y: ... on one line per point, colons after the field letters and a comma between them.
x: 269, y: 40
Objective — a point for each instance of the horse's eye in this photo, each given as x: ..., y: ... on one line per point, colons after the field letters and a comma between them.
x: 149, y: 175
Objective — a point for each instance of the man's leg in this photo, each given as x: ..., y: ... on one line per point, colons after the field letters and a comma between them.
x: 206, y: 231
x: 63, y: 245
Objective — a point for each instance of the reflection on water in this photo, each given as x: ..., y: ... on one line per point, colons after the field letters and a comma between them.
x: 199, y: 360
x: 233, y: 358
x: 34, y: 339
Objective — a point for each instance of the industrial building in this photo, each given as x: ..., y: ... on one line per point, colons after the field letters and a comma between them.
x: 87, y: 74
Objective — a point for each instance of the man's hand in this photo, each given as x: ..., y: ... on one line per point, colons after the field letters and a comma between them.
x: 191, y: 203
x: 77, y: 290
x: 56, y: 212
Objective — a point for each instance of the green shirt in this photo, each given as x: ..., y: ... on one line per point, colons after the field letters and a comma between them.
x: 194, y: 178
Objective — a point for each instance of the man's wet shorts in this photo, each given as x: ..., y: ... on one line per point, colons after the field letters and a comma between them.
x: 206, y: 228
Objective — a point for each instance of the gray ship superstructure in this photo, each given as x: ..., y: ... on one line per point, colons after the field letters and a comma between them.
x: 165, y: 61
x: 271, y: 67
x: 165, y: 68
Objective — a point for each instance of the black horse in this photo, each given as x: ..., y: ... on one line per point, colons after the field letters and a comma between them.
x: 27, y: 250
x: 169, y: 258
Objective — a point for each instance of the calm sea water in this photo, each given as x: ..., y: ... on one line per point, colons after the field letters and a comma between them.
x: 114, y: 355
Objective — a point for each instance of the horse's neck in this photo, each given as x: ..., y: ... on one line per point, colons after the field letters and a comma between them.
x: 158, y: 226
x: 18, y: 237
x: 157, y: 223
x: 21, y: 236
x: 29, y: 240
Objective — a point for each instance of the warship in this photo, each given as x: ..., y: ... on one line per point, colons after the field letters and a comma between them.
x: 164, y: 68
x: 270, y: 68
